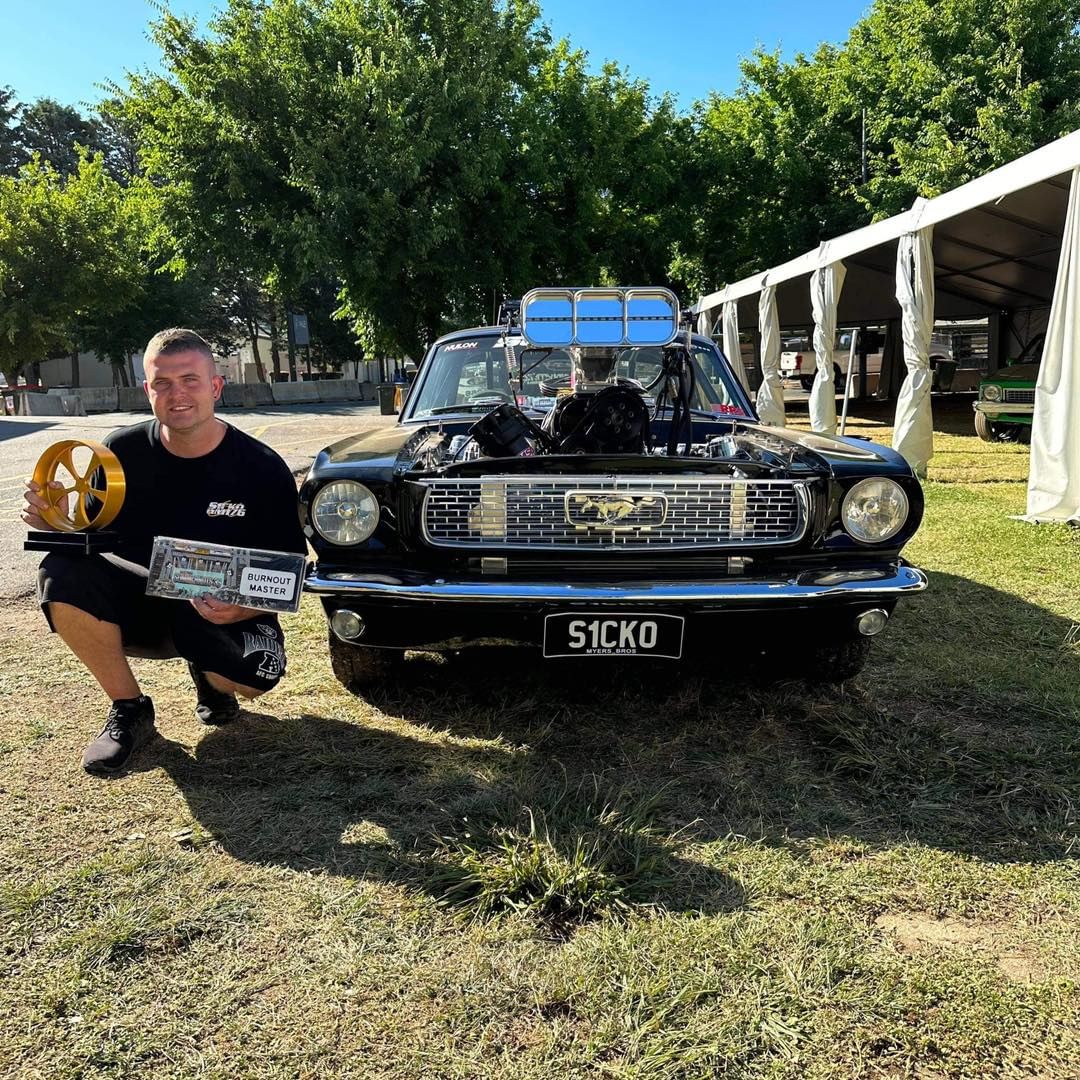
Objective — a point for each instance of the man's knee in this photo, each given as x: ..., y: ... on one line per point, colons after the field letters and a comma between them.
x: 227, y: 686
x: 64, y: 618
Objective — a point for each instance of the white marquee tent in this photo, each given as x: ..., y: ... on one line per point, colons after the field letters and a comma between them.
x: 1008, y: 241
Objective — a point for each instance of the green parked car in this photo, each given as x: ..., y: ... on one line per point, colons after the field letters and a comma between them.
x: 1006, y: 401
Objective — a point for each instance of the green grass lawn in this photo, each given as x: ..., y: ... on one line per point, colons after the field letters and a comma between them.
x: 488, y: 873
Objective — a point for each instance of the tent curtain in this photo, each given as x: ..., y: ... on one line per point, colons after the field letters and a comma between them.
x: 732, y: 349
x: 705, y: 322
x: 891, y: 356
x: 913, y: 431
x: 770, y: 395
x: 1054, y: 479
x: 825, y: 285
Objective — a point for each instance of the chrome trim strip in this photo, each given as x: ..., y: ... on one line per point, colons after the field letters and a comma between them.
x: 810, y: 585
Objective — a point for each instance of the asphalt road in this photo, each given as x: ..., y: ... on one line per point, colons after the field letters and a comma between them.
x: 296, y: 432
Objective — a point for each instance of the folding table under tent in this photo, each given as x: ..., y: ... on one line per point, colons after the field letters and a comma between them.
x: 1005, y: 242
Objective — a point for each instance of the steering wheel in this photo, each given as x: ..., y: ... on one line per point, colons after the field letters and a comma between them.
x: 109, y: 494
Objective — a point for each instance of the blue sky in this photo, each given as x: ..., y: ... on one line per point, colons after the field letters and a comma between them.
x: 64, y: 48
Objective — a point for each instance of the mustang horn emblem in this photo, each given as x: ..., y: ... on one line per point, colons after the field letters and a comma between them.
x: 602, y: 510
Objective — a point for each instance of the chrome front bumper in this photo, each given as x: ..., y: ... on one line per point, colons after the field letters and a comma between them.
x: 993, y: 409
x: 837, y: 585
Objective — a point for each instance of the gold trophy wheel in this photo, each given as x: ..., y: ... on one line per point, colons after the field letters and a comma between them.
x: 109, y: 494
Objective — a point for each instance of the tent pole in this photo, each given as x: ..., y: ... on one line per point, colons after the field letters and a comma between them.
x: 847, y: 381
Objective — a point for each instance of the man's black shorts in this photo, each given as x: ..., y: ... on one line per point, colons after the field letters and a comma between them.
x: 250, y: 653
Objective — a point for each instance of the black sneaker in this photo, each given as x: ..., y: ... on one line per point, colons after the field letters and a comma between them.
x: 215, y: 706
x: 129, y: 725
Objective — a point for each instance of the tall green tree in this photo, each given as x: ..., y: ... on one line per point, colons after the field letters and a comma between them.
x: 598, y: 177
x: 69, y: 251
x: 368, y: 135
x: 10, y: 154
x: 780, y: 169
x: 54, y: 132
x: 428, y: 155
x: 954, y: 88
x: 158, y: 297
x: 949, y: 89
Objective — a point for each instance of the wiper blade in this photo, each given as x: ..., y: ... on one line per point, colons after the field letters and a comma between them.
x: 468, y: 406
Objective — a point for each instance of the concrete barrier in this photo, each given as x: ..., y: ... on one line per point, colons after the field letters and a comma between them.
x: 105, y: 399
x: 256, y: 394
x: 99, y: 399
x: 51, y: 404
x: 338, y: 389
x: 287, y: 393
x: 132, y: 399
x: 41, y: 405
x: 246, y: 395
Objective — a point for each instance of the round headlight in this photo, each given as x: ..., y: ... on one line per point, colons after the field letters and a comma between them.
x: 345, y: 512
x: 874, y: 510
x: 991, y: 392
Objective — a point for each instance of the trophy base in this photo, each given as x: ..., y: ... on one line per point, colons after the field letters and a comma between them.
x: 72, y: 543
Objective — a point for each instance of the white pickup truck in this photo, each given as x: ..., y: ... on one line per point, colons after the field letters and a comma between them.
x: 797, y: 357
x: 797, y: 360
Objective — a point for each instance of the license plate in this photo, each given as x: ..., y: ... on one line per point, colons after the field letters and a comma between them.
x: 578, y: 634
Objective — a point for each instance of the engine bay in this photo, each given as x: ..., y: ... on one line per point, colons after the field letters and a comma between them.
x: 595, y: 411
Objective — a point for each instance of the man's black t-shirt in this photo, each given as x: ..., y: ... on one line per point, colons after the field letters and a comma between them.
x: 241, y: 494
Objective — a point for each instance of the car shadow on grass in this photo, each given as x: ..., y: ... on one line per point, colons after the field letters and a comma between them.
x: 961, y: 733
x: 480, y: 828
x: 594, y: 788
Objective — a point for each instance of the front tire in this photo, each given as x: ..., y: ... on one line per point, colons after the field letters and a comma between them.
x: 983, y: 428
x: 357, y: 667
x: 837, y: 661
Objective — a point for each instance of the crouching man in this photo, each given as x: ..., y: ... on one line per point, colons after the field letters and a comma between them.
x: 188, y: 475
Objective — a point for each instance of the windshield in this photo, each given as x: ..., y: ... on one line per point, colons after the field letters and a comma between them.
x: 470, y: 374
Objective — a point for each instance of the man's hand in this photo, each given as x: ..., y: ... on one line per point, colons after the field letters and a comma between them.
x: 35, y: 503
x: 220, y: 613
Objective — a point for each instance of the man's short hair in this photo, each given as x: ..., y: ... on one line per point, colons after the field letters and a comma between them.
x: 174, y: 340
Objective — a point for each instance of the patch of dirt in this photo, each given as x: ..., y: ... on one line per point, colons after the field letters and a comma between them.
x: 917, y: 932
x: 21, y: 616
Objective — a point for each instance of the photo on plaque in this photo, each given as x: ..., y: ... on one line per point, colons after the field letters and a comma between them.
x: 250, y: 577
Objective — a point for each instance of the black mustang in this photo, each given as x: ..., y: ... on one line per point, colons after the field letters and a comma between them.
x: 595, y: 483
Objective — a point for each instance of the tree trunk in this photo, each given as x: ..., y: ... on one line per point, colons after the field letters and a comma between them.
x: 292, y: 359
x: 253, y: 334
x: 75, y: 368
x: 275, y: 350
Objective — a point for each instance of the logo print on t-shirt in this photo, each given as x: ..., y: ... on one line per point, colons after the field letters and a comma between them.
x: 273, y: 658
x: 226, y: 509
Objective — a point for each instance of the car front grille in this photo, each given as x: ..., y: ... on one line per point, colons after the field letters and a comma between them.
x: 1020, y: 397
x: 605, y: 513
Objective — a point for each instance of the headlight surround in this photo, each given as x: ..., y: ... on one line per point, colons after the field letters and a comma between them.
x: 991, y: 392
x: 344, y: 512
x: 875, y: 510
